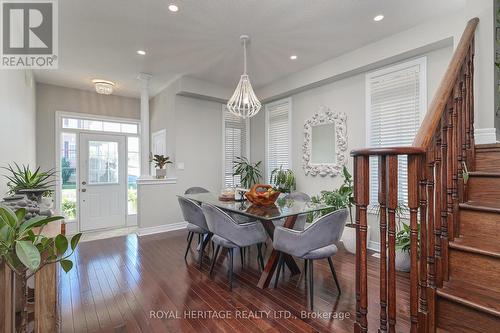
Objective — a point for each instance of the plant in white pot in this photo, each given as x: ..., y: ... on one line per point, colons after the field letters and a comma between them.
x: 343, y: 197
x: 403, y: 246
x: 161, y: 162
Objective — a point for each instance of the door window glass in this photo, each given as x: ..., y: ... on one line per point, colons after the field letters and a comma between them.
x: 103, y: 162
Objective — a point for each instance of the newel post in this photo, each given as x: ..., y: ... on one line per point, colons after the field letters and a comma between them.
x: 361, y: 192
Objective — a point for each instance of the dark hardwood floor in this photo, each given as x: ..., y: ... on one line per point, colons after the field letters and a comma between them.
x: 125, y: 284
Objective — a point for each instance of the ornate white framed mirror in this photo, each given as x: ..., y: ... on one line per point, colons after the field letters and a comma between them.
x: 325, y: 143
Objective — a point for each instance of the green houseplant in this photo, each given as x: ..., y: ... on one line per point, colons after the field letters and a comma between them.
x: 160, y: 162
x: 249, y: 173
x: 283, y: 180
x: 21, y: 179
x: 25, y: 250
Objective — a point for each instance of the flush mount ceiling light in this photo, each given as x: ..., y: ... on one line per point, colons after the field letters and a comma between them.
x: 378, y: 18
x: 244, y: 103
x: 141, y: 52
x: 293, y: 57
x: 173, y: 8
x: 103, y: 87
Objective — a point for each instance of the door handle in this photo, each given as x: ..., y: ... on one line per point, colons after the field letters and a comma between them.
x: 84, y: 190
x: 84, y: 183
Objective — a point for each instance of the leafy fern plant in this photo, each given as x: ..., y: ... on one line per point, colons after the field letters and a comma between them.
x: 283, y: 180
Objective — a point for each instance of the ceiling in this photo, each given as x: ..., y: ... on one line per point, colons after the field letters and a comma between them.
x: 99, y: 38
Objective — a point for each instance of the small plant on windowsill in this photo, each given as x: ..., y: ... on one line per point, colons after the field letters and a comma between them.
x: 160, y: 162
x: 283, y: 180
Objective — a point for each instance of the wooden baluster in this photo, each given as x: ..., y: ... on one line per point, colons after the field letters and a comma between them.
x: 413, y: 179
x: 467, y: 114
x: 392, y: 203
x: 448, y: 176
x: 358, y: 298
x: 422, y: 271
x: 382, y: 200
x: 439, y: 195
x: 460, y: 130
x: 362, y: 182
x: 456, y: 149
x: 430, y: 173
x: 471, y: 106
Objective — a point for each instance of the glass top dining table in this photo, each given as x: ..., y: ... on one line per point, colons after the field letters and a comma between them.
x: 282, y: 208
x: 287, y: 209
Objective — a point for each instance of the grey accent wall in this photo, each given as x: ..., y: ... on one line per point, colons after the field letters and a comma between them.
x: 17, y: 111
x: 51, y: 98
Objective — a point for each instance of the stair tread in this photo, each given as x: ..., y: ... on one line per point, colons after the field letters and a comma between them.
x: 493, y: 207
x: 484, y: 174
x: 477, y: 297
x: 483, y: 246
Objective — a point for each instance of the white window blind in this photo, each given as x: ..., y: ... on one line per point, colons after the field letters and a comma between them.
x: 396, y: 99
x: 278, y: 135
x: 235, y: 145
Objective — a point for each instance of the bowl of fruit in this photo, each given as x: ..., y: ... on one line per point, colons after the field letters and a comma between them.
x: 262, y: 195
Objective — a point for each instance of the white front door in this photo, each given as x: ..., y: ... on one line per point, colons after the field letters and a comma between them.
x: 103, y: 181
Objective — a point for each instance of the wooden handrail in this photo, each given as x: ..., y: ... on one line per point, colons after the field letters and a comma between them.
x: 443, y: 145
x: 435, y: 112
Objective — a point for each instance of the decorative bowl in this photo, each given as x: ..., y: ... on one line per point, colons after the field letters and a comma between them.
x: 262, y: 195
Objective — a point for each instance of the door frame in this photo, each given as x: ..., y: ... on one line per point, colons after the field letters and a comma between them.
x: 73, y: 226
x: 122, y: 172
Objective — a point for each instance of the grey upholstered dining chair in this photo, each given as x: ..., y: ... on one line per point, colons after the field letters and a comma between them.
x: 316, y: 242
x: 195, y: 190
x: 300, y: 223
x: 197, y: 224
x: 229, y: 234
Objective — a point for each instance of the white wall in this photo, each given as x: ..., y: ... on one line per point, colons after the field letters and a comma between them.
x: 52, y: 98
x: 194, y: 138
x: 346, y: 95
x: 17, y: 111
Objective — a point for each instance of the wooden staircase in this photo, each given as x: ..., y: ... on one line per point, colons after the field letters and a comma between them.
x: 470, y: 300
x: 454, y: 222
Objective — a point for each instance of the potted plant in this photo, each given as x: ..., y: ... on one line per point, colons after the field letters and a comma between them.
x: 249, y: 173
x: 35, y: 184
x: 283, y: 180
x: 160, y: 162
x: 343, y: 197
x: 25, y: 251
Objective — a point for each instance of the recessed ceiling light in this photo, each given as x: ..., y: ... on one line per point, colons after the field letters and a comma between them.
x: 141, y: 52
x: 378, y: 18
x: 293, y: 57
x: 173, y: 8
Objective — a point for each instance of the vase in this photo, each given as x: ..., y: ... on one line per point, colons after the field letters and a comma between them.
x: 161, y: 173
x: 403, y: 261
x: 349, y: 238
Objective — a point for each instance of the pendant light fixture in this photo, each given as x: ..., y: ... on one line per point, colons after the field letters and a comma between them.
x: 244, y: 103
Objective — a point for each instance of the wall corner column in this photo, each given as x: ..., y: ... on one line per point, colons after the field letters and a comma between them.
x: 145, y: 135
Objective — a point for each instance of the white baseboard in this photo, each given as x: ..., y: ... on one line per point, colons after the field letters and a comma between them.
x: 374, y: 246
x: 161, y: 228
x: 486, y: 135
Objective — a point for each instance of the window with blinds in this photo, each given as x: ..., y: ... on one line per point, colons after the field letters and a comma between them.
x: 396, y: 102
x: 278, y: 135
x: 235, y: 132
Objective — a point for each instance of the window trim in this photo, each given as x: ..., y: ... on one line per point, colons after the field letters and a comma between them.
x: 223, y: 141
x: 422, y: 63
x: 267, y: 107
